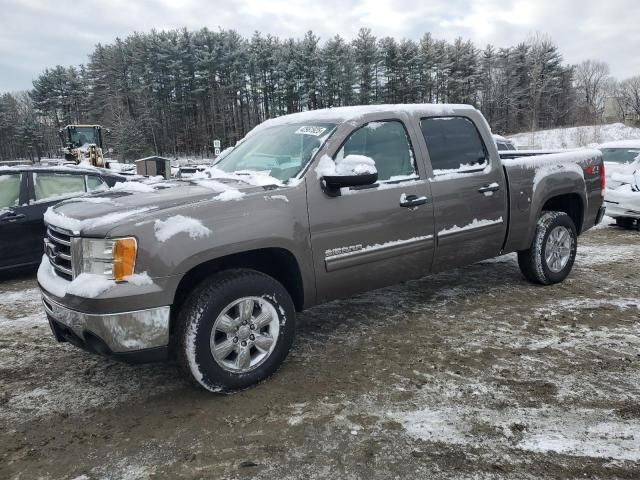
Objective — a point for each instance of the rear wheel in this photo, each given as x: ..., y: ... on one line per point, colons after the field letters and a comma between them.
x: 553, y: 250
x: 235, y: 330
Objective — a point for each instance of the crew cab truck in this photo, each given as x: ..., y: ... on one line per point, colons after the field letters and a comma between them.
x: 307, y: 208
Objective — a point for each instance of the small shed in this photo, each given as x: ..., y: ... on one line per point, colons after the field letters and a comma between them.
x: 153, y: 166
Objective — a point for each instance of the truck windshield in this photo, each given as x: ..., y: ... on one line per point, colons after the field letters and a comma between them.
x: 83, y: 135
x: 281, y: 151
x: 620, y: 155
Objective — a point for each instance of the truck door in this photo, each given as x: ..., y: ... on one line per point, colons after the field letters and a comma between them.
x: 469, y: 192
x: 370, y: 237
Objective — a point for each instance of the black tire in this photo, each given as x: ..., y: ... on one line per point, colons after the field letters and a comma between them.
x: 625, y: 222
x: 201, y: 309
x: 533, y: 263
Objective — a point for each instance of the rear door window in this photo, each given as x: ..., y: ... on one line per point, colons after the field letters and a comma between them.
x: 10, y: 190
x: 387, y: 143
x: 49, y: 187
x: 454, y: 145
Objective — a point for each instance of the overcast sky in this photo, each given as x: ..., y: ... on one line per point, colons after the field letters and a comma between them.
x: 36, y: 34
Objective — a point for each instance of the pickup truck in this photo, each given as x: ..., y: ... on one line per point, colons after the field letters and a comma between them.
x: 307, y: 208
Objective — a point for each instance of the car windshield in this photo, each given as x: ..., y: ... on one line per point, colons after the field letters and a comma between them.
x: 280, y: 151
x: 620, y: 155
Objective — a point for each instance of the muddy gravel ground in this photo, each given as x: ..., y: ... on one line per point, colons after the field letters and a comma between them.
x: 472, y: 373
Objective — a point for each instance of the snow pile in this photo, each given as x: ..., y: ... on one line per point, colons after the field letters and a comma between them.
x: 252, y: 177
x: 180, y: 224
x: 463, y: 168
x: 284, y: 198
x: 474, y: 224
x: 545, y: 171
x: 585, y: 155
x: 346, y: 166
x: 88, y: 285
x: 231, y: 194
x: 139, y: 279
x: 225, y: 192
x: 74, y: 225
x: 133, y: 187
x: 575, y: 137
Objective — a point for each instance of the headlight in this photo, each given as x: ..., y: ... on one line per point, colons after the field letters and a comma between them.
x: 112, y: 258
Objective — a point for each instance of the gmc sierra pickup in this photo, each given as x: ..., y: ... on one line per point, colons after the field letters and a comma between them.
x: 307, y: 208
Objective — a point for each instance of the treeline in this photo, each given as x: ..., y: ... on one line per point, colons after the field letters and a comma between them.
x: 174, y: 92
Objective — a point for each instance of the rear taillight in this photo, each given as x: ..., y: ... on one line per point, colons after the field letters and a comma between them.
x: 597, y: 170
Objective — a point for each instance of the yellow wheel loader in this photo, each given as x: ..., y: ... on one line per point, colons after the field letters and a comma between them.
x: 83, y: 144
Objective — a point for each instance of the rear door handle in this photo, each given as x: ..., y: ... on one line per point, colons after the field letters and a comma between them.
x: 494, y: 187
x: 410, y: 201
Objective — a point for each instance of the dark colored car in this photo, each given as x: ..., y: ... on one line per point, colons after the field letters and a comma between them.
x: 25, y: 194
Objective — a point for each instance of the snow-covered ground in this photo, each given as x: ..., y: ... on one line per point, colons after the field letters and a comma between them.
x: 472, y: 373
x: 574, y: 137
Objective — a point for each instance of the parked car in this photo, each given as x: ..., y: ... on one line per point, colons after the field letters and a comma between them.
x: 308, y: 208
x: 504, y: 144
x: 25, y: 194
x: 188, y: 171
x: 620, y: 157
x: 623, y: 201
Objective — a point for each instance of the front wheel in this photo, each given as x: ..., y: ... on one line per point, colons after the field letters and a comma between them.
x: 235, y: 330
x: 553, y: 250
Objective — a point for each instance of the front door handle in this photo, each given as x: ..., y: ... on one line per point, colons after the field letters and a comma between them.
x: 12, y: 217
x: 494, y: 187
x: 411, y: 201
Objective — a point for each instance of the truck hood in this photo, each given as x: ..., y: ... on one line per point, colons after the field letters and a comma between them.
x: 94, y: 214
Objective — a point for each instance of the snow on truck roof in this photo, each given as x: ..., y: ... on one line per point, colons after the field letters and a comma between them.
x: 345, y: 114
x: 621, y: 144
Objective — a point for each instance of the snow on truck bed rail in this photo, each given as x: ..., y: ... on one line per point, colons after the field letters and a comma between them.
x: 573, y: 156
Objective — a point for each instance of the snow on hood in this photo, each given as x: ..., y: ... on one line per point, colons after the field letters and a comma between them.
x: 74, y: 225
x: 128, y: 201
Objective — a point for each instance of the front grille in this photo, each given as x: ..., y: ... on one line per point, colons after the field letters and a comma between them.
x: 58, y: 249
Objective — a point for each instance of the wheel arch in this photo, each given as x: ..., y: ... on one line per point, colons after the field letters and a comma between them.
x: 569, y: 203
x: 278, y: 263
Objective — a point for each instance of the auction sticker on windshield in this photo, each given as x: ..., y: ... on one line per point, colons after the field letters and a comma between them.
x: 311, y: 130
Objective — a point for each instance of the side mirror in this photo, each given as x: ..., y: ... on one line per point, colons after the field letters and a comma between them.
x: 340, y: 181
x: 350, y: 171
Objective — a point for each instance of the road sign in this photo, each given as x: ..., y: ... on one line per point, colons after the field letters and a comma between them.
x: 216, y: 152
x: 216, y: 144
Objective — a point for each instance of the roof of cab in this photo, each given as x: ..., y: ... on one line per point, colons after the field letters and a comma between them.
x: 346, y: 114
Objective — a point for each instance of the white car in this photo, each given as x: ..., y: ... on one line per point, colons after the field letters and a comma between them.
x: 621, y: 157
x: 622, y: 169
x: 623, y: 202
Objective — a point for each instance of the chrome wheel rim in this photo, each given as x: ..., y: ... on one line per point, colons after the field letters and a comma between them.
x: 244, y: 335
x: 558, y: 248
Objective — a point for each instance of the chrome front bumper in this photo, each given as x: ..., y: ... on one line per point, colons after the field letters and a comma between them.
x: 122, y: 332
